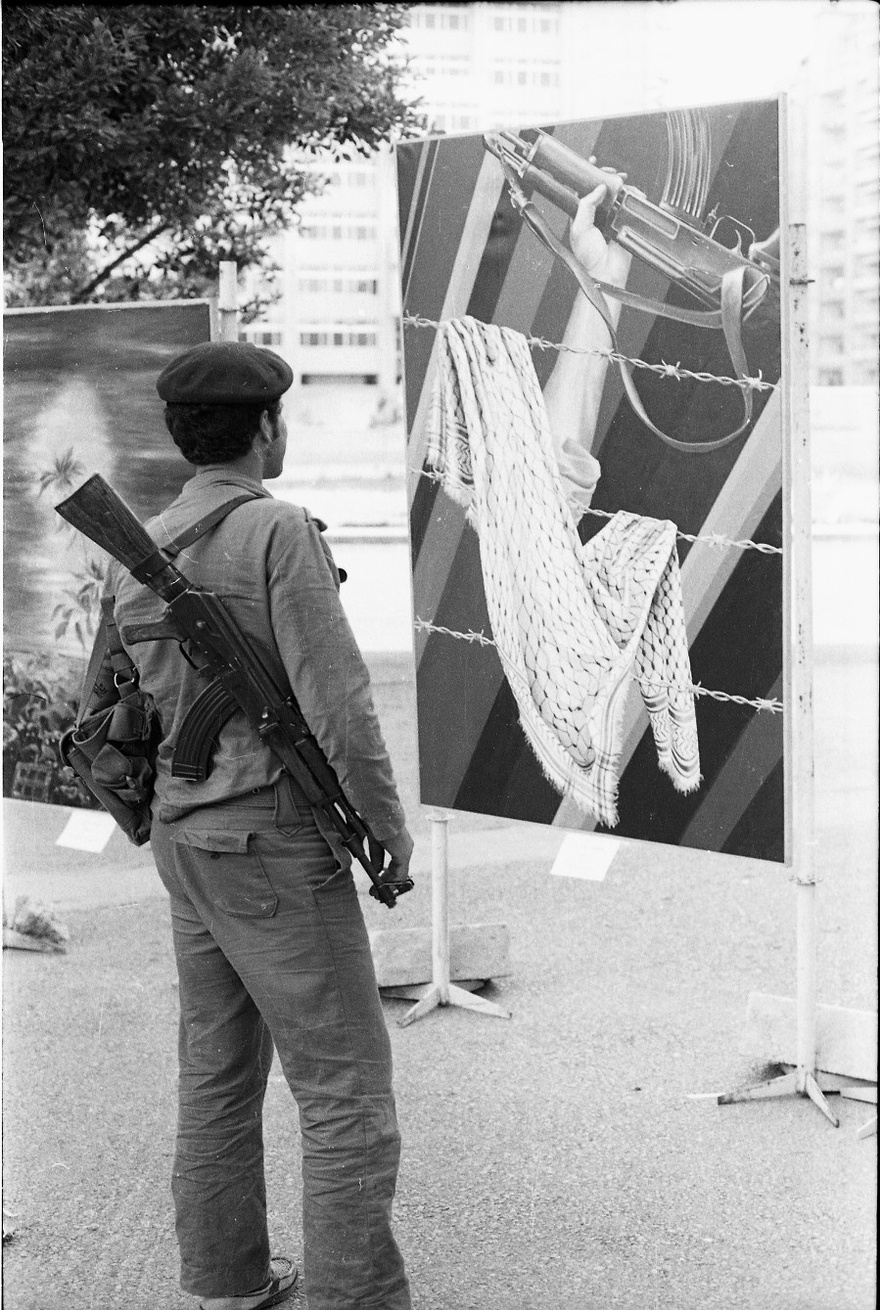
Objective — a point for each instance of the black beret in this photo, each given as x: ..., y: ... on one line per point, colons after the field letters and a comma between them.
x: 224, y: 373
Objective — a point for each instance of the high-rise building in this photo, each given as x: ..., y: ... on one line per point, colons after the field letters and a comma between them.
x: 843, y: 200
x: 479, y: 66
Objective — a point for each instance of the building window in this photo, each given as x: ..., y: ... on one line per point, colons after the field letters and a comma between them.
x: 351, y: 285
x: 338, y: 338
x: 261, y: 336
x: 519, y: 22
x: 339, y: 232
x: 447, y: 18
x: 526, y: 73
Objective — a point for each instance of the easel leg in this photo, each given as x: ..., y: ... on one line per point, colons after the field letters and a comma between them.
x: 802, y: 1080
x: 440, y: 991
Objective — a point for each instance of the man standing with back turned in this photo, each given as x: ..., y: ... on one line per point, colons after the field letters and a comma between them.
x: 270, y: 941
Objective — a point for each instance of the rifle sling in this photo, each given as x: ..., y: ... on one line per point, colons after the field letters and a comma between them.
x: 203, y: 525
x: 125, y: 674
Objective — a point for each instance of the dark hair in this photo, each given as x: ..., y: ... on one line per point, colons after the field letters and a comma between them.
x: 216, y: 434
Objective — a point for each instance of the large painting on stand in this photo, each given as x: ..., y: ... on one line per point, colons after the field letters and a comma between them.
x: 592, y: 369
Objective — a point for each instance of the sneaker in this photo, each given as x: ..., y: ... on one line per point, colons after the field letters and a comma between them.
x: 278, y: 1289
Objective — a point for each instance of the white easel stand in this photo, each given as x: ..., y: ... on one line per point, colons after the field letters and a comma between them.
x: 440, y: 991
x: 804, y: 1079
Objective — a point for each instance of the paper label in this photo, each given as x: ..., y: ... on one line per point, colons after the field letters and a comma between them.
x: 87, y: 830
x: 584, y: 855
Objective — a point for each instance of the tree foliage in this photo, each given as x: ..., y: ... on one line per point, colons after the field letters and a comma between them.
x: 152, y: 141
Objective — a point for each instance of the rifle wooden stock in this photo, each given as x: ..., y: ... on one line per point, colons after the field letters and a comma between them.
x: 239, y: 679
x: 96, y: 511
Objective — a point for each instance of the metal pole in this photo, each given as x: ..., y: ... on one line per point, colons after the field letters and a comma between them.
x: 803, y: 796
x: 441, y: 991
x: 227, y: 301
x: 440, y: 904
x: 800, y: 545
x: 798, y: 603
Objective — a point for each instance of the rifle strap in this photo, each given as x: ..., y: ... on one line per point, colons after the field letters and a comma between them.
x: 125, y: 674
x: 184, y: 539
x: 728, y: 318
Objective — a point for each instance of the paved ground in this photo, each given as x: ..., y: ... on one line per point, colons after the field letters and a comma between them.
x: 553, y: 1162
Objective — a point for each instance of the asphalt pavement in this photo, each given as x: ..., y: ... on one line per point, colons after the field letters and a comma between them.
x: 554, y: 1161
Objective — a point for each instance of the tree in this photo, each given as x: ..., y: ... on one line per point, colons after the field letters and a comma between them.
x: 144, y: 143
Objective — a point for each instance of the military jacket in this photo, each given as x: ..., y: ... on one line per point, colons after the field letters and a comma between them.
x: 269, y: 563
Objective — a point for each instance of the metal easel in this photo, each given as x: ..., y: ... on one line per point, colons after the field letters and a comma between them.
x: 440, y: 991
x: 804, y: 1079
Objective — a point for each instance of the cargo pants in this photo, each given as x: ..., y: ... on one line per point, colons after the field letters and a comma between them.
x: 272, y: 949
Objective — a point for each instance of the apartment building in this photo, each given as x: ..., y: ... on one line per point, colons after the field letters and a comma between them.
x: 484, y: 65
x: 843, y: 202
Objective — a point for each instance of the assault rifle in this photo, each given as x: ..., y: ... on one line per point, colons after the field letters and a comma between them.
x: 728, y: 283
x: 237, y: 678
x: 690, y: 256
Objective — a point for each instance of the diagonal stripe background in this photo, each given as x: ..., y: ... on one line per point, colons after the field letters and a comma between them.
x: 465, y: 250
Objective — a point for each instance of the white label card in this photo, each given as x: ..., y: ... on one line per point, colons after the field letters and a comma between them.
x: 87, y: 830
x: 584, y: 855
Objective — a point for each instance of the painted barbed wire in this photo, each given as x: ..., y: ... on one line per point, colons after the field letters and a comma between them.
x: 760, y: 703
x: 711, y: 539
x: 663, y: 370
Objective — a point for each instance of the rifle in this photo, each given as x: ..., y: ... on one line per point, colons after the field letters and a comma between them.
x: 729, y: 283
x: 237, y: 678
x: 658, y: 234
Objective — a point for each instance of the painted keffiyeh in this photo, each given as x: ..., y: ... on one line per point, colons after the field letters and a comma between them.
x: 571, y: 622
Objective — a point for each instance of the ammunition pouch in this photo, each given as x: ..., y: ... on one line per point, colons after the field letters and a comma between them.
x: 112, y: 747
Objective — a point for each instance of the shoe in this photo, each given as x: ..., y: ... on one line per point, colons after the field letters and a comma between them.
x: 278, y: 1289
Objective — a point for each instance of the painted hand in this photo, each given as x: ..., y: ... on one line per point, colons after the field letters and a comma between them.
x: 588, y: 245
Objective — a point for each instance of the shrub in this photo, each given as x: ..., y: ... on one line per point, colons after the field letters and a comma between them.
x: 39, y: 705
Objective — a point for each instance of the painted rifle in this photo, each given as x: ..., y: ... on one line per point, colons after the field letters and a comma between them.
x: 670, y: 237
x: 661, y: 235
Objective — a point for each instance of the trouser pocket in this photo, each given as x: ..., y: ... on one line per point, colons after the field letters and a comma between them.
x: 230, y: 871
x: 315, y: 863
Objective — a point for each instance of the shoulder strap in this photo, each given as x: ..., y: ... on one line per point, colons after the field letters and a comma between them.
x: 108, y: 646
x: 93, y: 671
x: 205, y: 524
x: 109, y: 658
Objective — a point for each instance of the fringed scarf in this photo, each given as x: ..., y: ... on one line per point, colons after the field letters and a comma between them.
x: 570, y: 621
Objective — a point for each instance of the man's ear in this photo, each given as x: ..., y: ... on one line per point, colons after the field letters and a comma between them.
x: 267, y: 429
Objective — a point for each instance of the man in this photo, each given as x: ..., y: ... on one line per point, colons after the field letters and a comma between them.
x: 270, y: 942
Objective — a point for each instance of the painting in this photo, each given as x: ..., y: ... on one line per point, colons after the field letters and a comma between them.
x: 592, y: 358
x: 80, y: 398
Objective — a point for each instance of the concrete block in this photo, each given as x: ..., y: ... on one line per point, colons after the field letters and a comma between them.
x: 402, y: 956
x: 846, y: 1040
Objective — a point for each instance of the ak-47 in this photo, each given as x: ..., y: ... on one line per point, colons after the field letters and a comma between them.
x: 728, y: 284
x: 686, y: 253
x: 236, y: 677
